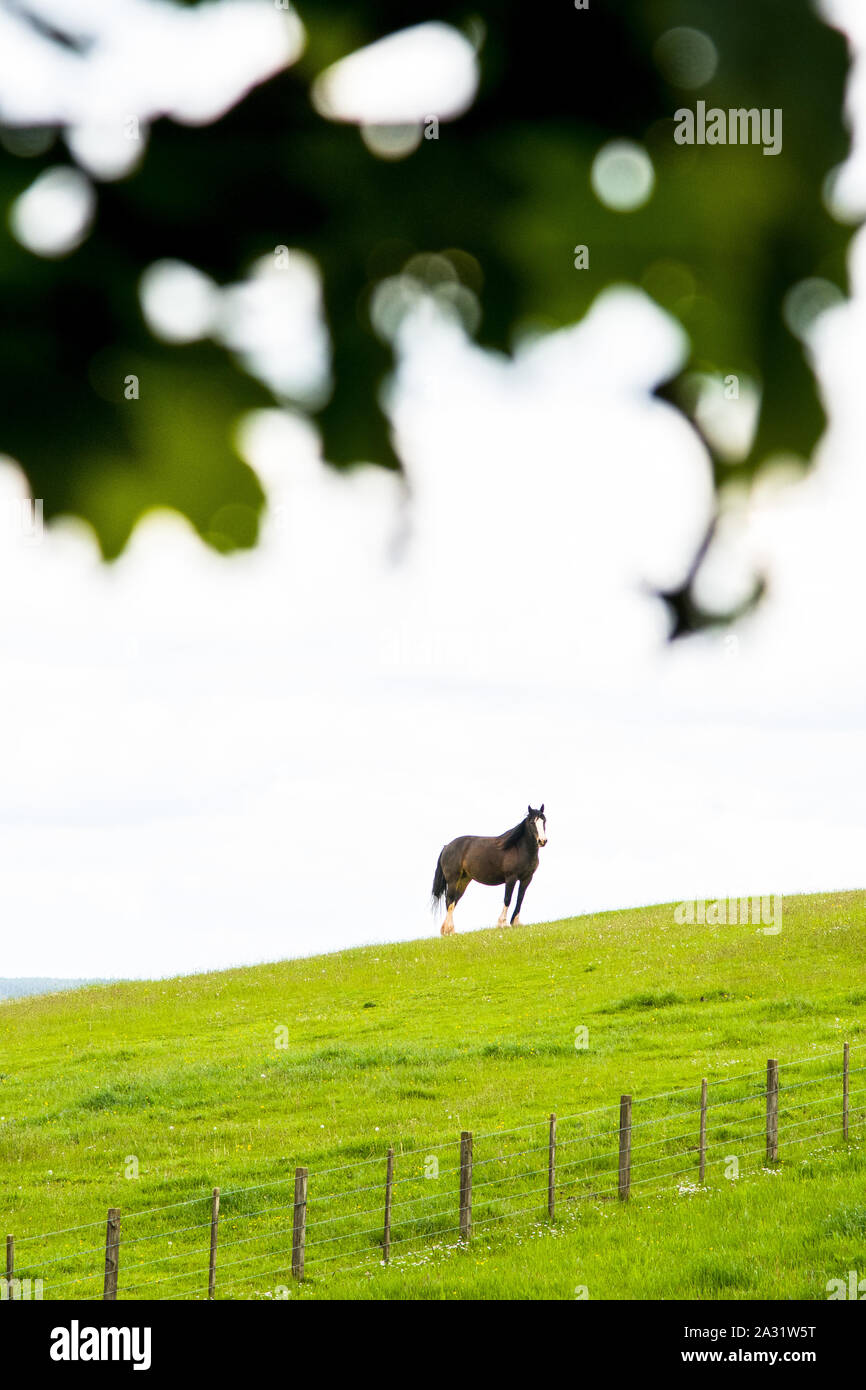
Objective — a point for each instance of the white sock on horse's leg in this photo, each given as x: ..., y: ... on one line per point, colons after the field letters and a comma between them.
x: 516, y: 922
x: 503, y: 916
x: 447, y: 927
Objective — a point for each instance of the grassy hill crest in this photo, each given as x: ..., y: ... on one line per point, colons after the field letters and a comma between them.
x: 230, y: 1078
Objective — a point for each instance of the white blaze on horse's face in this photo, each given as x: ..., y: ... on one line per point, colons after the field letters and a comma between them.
x: 540, y: 830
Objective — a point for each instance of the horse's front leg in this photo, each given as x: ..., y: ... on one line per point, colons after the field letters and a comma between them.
x: 509, y: 889
x: 521, y: 893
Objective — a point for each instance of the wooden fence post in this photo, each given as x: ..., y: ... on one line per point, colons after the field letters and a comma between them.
x: 624, y: 1147
x: 389, y: 1185
x: 772, y: 1111
x: 214, y: 1222
x: 703, y: 1130
x: 551, y: 1169
x: 845, y: 1069
x: 10, y: 1265
x: 299, y: 1225
x: 465, y: 1185
x: 112, y: 1253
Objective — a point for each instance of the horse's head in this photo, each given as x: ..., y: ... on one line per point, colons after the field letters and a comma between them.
x: 538, y: 821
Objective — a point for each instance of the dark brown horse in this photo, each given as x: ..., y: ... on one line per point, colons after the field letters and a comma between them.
x: 510, y: 858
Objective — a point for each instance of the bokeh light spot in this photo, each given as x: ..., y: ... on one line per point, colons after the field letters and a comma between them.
x: 53, y: 216
x: 671, y: 284
x: 391, y: 141
x: 686, y: 57
x: 27, y: 142
x: 406, y: 77
x: 179, y: 302
x: 622, y: 176
x: 806, y: 301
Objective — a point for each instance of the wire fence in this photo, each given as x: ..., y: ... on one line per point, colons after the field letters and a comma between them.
x: 253, y: 1241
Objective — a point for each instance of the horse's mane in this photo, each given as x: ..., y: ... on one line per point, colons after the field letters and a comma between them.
x: 513, y: 837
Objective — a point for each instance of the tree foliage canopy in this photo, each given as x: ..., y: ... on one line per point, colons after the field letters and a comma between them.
x: 725, y: 236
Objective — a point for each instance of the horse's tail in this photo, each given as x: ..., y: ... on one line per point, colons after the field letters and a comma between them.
x: 440, y: 886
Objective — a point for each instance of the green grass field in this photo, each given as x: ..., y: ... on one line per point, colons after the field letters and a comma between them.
x: 145, y: 1095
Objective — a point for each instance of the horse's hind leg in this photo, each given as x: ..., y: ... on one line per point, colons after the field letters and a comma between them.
x: 509, y: 889
x: 453, y: 894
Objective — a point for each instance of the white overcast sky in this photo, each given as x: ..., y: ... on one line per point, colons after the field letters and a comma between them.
x: 209, y: 762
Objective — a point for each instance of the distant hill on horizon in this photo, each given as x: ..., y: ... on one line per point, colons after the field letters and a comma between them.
x: 18, y: 988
